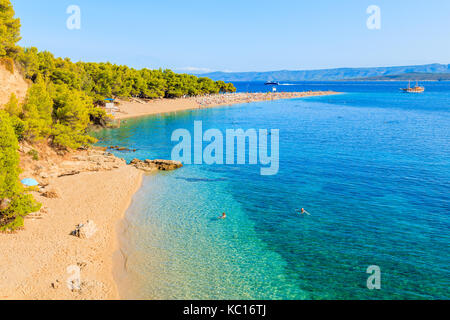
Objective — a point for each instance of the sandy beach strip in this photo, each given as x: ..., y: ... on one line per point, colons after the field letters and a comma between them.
x: 35, y: 261
x: 135, y: 108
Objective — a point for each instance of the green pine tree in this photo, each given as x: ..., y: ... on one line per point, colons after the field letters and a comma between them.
x: 14, y: 109
x: 37, y: 111
x: 18, y: 204
x: 13, y: 106
x: 9, y: 29
x: 72, y: 114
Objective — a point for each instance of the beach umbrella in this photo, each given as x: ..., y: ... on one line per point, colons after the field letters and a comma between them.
x: 28, y: 182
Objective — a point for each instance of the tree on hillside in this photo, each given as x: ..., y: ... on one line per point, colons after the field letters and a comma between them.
x: 9, y: 157
x: 72, y: 115
x: 28, y: 58
x: 46, y: 63
x: 13, y: 106
x: 9, y: 29
x: 15, y: 204
x: 37, y: 111
x: 14, y: 109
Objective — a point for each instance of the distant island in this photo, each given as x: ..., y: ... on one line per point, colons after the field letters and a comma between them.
x: 413, y: 76
x: 332, y: 74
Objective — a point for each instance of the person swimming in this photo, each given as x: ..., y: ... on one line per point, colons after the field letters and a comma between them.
x: 303, y: 211
x: 224, y: 216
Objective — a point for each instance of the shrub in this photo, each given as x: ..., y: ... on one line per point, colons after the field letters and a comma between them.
x: 13, y: 218
x: 13, y: 106
x: 8, y: 63
x: 21, y: 204
x: 19, y: 127
x: 33, y: 154
x: 98, y: 116
x: 67, y: 137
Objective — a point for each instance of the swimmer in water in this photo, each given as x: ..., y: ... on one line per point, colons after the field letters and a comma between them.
x: 224, y: 216
x: 303, y: 211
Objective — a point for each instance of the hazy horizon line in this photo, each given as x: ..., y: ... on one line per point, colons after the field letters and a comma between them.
x: 207, y: 71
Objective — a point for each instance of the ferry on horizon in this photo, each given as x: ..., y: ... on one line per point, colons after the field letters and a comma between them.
x: 416, y: 89
x: 272, y: 83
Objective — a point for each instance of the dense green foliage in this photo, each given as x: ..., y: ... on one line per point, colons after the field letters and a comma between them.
x: 65, y: 96
x: 14, y: 109
x: 37, y: 111
x: 100, y: 80
x: 19, y: 204
x: 9, y: 29
x: 71, y: 93
x: 71, y: 112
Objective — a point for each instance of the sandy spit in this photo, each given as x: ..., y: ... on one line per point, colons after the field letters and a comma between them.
x: 135, y: 108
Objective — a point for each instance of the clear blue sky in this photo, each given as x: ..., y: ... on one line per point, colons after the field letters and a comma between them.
x: 244, y: 35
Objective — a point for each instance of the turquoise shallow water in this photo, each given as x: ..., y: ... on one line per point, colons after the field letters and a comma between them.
x: 372, y: 167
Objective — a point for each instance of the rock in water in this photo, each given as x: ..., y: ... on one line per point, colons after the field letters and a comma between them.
x: 166, y: 165
x: 141, y: 165
x: 153, y: 165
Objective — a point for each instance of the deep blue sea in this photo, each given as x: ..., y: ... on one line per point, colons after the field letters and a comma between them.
x: 371, y: 166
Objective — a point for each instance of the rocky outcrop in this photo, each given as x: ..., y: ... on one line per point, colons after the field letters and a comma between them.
x: 95, y: 161
x: 50, y: 165
x: 87, y: 161
x: 85, y: 230
x: 155, y: 165
x: 122, y: 149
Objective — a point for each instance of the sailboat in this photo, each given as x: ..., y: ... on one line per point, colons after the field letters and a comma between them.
x: 416, y: 89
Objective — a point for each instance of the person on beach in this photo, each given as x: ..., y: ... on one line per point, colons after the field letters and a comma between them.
x: 223, y: 217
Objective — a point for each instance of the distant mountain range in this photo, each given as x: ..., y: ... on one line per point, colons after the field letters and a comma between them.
x: 411, y: 76
x: 328, y: 74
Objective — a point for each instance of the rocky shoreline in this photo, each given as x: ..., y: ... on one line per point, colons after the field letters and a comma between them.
x: 94, y: 159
